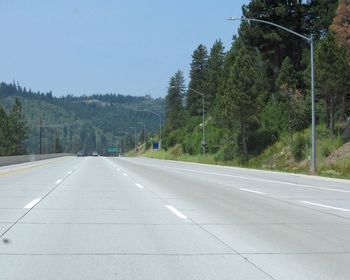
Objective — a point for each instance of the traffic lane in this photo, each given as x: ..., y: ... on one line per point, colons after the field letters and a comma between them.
x: 52, y: 238
x: 11, y: 215
x: 29, y: 169
x: 99, y: 193
x: 294, y: 194
x: 246, y: 174
x: 21, y: 185
x: 219, y: 199
x: 286, y: 240
x: 102, y: 216
x: 36, y: 178
x: 137, y: 267
x: 234, y: 213
x: 28, y: 165
x: 304, y: 266
x: 98, y: 185
x: 42, y: 237
x: 107, y: 196
x: 111, y: 239
x: 326, y: 201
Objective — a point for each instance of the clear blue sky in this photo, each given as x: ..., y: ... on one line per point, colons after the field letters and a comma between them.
x: 90, y: 46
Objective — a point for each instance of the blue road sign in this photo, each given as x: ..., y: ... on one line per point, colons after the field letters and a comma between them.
x: 156, y: 145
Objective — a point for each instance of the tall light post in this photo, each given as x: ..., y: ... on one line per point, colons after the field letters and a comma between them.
x: 311, y: 42
x: 144, y: 132
x: 203, y: 118
x: 203, y: 144
x: 160, y: 124
x: 134, y: 136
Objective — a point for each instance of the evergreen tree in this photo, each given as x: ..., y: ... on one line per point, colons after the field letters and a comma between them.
x: 17, y: 129
x: 243, y: 92
x: 215, y: 67
x: 290, y: 97
x: 332, y: 75
x: 341, y: 29
x: 274, y: 43
x: 58, y: 147
x: 199, y: 80
x: 318, y: 16
x: 143, y: 136
x: 4, y: 133
x: 341, y: 25
x: 174, y: 102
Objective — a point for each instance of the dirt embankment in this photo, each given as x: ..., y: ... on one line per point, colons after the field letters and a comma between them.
x: 342, y: 153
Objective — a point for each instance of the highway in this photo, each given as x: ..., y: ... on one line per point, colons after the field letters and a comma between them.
x: 139, y: 218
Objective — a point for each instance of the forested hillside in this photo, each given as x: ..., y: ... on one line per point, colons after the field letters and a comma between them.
x: 257, y: 93
x: 89, y: 123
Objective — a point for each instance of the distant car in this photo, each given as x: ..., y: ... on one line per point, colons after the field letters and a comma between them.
x: 80, y: 154
x: 95, y: 154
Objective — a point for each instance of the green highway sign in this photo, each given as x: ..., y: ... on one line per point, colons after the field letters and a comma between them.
x: 112, y: 150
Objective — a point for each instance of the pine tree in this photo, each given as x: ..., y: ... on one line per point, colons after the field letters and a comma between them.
x: 332, y: 74
x: 243, y: 92
x: 341, y: 29
x: 274, y: 43
x: 215, y: 67
x: 4, y: 133
x: 341, y: 25
x: 17, y: 129
x: 58, y: 147
x: 199, y: 80
x: 290, y: 97
x: 318, y: 16
x: 174, y: 102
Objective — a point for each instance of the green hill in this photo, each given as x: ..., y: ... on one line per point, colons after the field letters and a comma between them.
x: 90, y: 123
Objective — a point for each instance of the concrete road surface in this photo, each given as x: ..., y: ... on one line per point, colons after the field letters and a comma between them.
x: 138, y: 218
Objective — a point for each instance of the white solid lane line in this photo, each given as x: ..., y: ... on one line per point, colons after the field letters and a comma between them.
x: 125, y: 174
x: 59, y: 181
x: 325, y: 206
x: 32, y: 203
x: 139, y: 185
x: 176, y: 212
x: 251, y: 191
x: 255, y: 179
x: 69, y: 173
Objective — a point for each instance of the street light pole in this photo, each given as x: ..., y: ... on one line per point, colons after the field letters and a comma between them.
x: 144, y: 132
x: 160, y: 125
x: 203, y: 117
x: 311, y: 42
x: 313, y: 113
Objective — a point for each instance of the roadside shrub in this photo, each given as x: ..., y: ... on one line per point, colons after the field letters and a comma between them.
x: 299, y: 148
x: 228, y: 152
x: 176, y: 151
x: 325, y: 151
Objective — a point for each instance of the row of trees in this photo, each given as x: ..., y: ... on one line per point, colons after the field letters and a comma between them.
x: 13, y: 130
x: 259, y: 89
x: 71, y: 123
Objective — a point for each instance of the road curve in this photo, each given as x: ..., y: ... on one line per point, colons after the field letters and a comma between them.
x: 138, y: 218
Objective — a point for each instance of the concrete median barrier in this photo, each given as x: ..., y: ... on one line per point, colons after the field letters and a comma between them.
x: 9, y: 160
